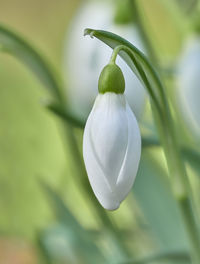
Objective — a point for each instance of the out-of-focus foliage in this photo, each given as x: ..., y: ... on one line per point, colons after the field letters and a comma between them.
x: 48, y: 213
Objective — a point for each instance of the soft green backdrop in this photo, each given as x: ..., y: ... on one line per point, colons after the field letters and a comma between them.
x: 31, y: 142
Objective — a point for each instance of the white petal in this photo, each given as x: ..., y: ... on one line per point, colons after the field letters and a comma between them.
x: 109, y: 133
x: 105, y: 142
x: 109, y: 149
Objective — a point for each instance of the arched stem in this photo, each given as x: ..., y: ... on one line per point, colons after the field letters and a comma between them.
x: 180, y: 182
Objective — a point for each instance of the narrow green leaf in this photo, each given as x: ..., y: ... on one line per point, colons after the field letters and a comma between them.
x: 15, y: 45
x: 190, y: 155
x: 175, y: 257
x: 153, y: 192
x: 86, y: 246
x: 66, y: 116
x: 150, y: 142
x: 43, y: 253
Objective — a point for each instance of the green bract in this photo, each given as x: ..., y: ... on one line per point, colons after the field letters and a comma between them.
x: 111, y: 79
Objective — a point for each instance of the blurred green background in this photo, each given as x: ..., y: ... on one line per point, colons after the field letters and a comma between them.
x: 70, y: 229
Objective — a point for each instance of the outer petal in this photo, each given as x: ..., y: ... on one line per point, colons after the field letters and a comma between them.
x: 130, y: 164
x: 109, y: 134
x: 104, y: 146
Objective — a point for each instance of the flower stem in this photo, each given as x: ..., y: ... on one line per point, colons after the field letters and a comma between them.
x: 180, y: 182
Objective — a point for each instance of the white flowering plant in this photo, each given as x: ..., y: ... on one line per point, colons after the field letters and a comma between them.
x: 113, y: 159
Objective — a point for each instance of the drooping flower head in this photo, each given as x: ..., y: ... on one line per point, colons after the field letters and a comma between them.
x: 112, y: 142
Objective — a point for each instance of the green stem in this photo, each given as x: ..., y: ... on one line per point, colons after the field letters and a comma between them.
x: 141, y: 72
x: 180, y: 183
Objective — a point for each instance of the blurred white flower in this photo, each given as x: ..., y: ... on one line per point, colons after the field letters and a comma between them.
x: 188, y: 82
x: 111, y: 149
x: 84, y: 58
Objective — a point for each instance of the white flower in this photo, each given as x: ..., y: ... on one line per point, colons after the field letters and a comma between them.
x: 188, y: 83
x: 84, y: 58
x: 111, y: 149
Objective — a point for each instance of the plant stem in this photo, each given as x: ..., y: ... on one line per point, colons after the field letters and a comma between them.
x: 180, y: 183
x: 140, y: 71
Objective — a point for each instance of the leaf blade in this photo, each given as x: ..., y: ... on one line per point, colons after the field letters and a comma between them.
x: 14, y: 44
x: 171, y: 256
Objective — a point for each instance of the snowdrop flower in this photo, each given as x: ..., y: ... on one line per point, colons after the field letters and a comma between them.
x: 188, y: 84
x: 111, y: 142
x: 93, y: 55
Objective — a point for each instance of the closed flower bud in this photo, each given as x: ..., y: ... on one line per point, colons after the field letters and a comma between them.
x: 111, y: 148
